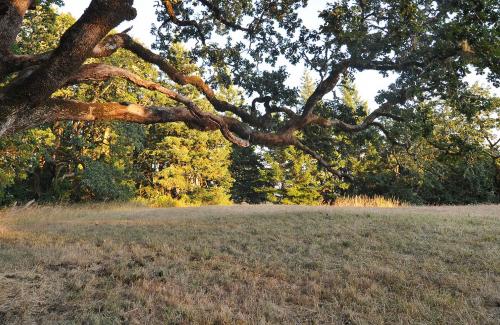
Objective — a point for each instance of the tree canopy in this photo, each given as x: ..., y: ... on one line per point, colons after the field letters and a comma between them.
x: 249, y: 45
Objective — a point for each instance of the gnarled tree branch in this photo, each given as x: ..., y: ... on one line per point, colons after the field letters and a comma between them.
x: 95, y: 72
x: 60, y: 109
x: 75, y: 47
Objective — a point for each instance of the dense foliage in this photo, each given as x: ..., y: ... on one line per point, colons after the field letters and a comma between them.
x: 448, y: 154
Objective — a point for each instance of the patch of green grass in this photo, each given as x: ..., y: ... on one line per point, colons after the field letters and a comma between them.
x: 224, y: 265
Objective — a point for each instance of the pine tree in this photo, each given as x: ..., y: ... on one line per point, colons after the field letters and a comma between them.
x: 292, y: 176
x: 182, y: 166
x: 246, y: 167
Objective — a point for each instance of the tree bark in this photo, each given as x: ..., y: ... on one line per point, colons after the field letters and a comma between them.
x: 26, y: 101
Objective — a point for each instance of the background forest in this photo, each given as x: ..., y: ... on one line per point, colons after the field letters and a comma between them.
x: 447, y: 156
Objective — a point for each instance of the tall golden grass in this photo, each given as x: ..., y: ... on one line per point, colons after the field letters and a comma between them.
x: 368, y: 202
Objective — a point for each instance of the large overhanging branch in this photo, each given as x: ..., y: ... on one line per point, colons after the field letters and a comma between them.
x: 60, y: 109
x: 95, y: 72
x: 192, y: 117
x: 286, y: 137
x: 297, y: 122
x: 200, y: 120
x: 99, y: 72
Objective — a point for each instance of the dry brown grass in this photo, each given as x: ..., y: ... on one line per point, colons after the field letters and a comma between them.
x: 368, y: 202
x: 108, y: 264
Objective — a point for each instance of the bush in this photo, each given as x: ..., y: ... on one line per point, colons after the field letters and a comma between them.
x: 102, y: 182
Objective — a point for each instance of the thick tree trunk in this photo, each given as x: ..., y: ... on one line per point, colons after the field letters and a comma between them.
x: 22, y: 101
x: 11, y: 17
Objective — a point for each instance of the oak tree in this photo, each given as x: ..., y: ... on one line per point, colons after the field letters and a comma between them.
x: 429, y: 45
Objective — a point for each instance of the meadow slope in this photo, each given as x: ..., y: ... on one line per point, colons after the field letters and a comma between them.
x: 106, y: 264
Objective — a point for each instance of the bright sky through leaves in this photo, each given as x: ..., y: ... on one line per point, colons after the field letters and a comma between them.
x: 367, y: 82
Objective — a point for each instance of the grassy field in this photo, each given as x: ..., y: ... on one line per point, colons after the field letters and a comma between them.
x: 108, y: 264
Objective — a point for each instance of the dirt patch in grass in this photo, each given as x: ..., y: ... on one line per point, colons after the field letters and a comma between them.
x: 250, y: 264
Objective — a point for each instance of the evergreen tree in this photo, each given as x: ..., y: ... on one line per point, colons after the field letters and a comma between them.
x: 246, y: 167
x: 182, y: 166
x: 293, y: 177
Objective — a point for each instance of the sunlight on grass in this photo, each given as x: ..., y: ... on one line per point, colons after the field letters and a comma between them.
x: 366, y: 201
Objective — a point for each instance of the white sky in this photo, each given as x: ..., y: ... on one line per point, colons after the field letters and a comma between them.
x: 367, y: 82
